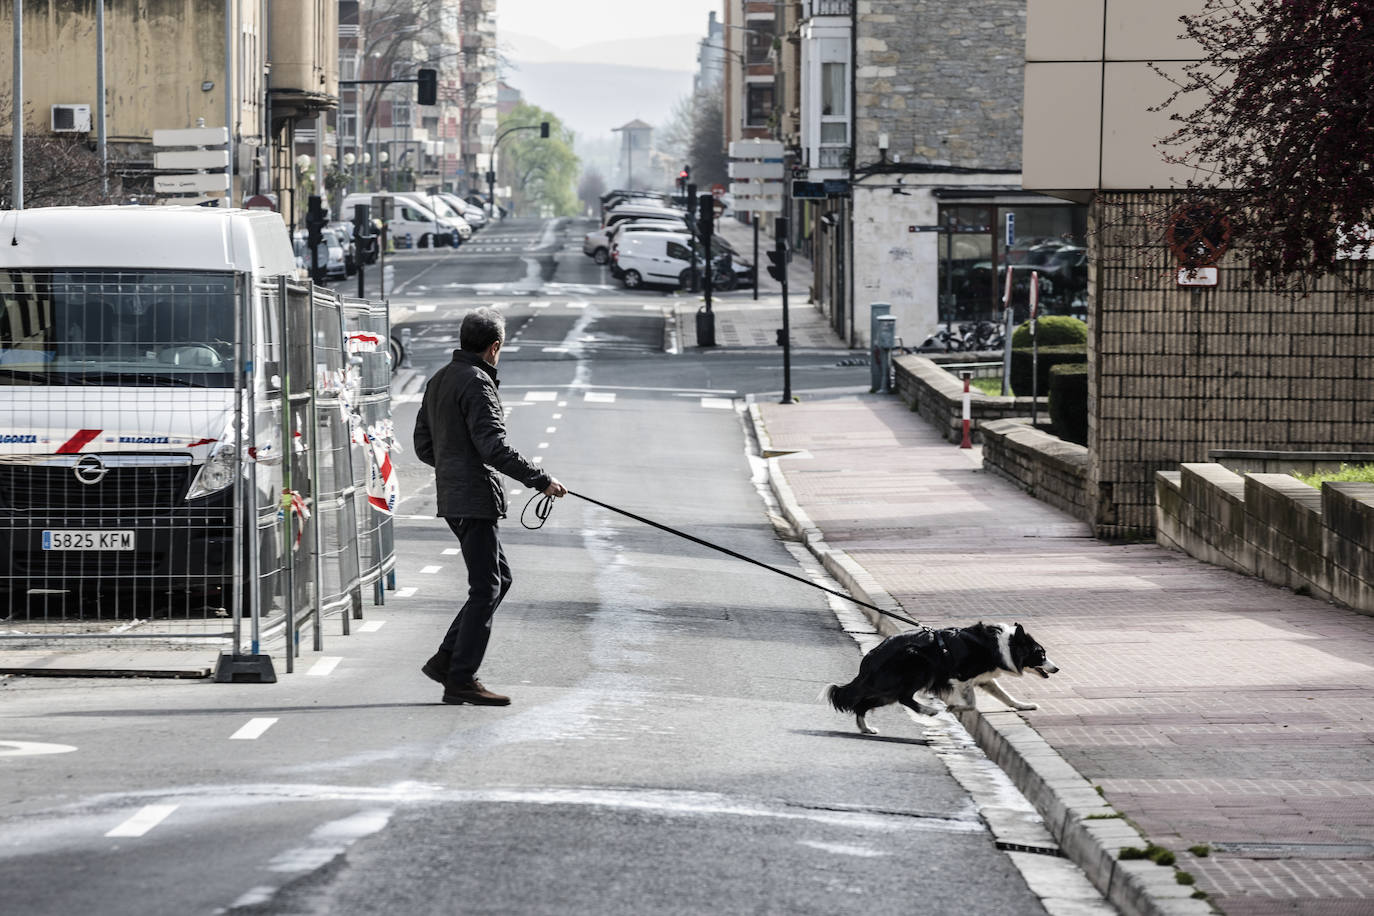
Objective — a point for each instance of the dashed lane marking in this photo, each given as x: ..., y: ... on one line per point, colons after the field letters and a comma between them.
x: 430, y: 570
x: 718, y: 403
x: 425, y: 308
x: 550, y: 429
x: 324, y: 666
x: 541, y: 395
x: 599, y: 397
x: 449, y: 552
x: 32, y: 749
x: 372, y: 626
x: 577, y: 305
x: 253, y: 729
x: 406, y: 592
x: 146, y: 819
x: 543, y: 445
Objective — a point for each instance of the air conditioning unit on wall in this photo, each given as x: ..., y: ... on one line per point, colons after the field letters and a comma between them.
x: 71, y: 119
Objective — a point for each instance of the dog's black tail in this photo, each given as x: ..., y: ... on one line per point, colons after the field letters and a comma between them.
x: 844, y: 698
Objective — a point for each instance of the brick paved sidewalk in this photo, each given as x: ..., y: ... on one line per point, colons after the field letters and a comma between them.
x: 1209, y: 708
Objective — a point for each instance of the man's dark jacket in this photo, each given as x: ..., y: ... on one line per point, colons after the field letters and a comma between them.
x: 461, y: 432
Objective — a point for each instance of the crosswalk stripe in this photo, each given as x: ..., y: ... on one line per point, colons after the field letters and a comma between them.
x: 146, y: 819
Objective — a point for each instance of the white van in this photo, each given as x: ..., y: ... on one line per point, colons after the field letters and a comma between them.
x: 441, y: 208
x: 412, y: 225
x: 651, y: 258
x: 118, y: 330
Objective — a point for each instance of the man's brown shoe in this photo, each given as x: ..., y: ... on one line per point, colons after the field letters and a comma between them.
x: 474, y: 693
x: 436, y: 669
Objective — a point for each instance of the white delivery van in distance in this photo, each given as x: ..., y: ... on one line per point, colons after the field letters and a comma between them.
x: 118, y: 330
x: 412, y: 224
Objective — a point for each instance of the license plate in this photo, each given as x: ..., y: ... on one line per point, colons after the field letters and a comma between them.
x: 88, y: 540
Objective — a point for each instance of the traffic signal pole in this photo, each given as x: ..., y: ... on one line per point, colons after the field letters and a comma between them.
x: 706, y: 219
x: 778, y: 271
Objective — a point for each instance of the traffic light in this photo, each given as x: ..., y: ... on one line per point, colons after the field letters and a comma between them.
x: 782, y: 337
x: 706, y: 215
x: 544, y: 130
x: 316, y: 218
x: 777, y: 267
x: 692, y: 204
x: 427, y: 86
x: 362, y: 224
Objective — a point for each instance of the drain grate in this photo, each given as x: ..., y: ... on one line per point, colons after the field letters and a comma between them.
x: 1296, y: 850
x: 1053, y: 851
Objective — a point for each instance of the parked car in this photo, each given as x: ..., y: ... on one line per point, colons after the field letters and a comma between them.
x: 597, y: 243
x: 412, y: 225
x: 344, y: 233
x: 330, y: 253
x: 445, y: 211
x: 475, y: 215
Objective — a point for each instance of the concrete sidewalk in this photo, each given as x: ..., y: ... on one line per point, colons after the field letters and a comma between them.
x: 1195, y: 707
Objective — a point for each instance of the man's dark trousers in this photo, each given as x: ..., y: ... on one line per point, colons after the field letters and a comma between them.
x: 489, y: 579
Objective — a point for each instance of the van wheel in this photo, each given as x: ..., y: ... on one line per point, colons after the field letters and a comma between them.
x: 424, y: 241
x: 632, y: 279
x: 601, y: 256
x: 684, y: 279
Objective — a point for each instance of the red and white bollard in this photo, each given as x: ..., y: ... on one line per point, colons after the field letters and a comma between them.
x: 968, y: 410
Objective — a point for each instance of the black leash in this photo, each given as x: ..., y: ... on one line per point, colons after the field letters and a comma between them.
x: 544, y: 508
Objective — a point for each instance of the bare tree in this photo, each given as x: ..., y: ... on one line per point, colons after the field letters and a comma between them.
x: 1283, y: 133
x: 58, y: 172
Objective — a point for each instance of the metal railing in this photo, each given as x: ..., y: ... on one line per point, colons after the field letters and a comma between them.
x: 828, y: 8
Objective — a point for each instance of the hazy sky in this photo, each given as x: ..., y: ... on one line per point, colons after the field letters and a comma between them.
x: 569, y: 23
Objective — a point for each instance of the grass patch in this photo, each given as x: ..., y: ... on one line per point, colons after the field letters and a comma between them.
x: 1202, y: 850
x: 1157, y: 854
x: 989, y: 385
x: 1101, y: 817
x: 1349, y: 473
x: 1199, y: 895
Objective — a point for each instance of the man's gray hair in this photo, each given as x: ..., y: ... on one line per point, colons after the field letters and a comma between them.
x: 480, y: 329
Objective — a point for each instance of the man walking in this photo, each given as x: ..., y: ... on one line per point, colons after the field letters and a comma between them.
x: 461, y: 432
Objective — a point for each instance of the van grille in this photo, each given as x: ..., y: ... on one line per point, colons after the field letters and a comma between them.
x: 53, y: 487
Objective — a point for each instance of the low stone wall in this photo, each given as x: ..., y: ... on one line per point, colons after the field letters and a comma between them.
x: 938, y: 396
x: 1045, y: 466
x: 1317, y: 542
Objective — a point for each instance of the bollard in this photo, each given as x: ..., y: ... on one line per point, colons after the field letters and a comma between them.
x: 884, y: 338
x: 875, y: 311
x: 405, y: 348
x: 967, y: 376
x: 706, y: 327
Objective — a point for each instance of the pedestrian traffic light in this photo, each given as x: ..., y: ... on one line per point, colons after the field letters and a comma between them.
x: 316, y: 218
x: 427, y: 86
x: 777, y: 267
x: 362, y: 224
x: 782, y: 337
x: 692, y: 204
x: 544, y: 130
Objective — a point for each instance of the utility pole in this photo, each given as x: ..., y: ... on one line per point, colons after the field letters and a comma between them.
x: 17, y: 117
x: 777, y: 269
x: 706, y: 319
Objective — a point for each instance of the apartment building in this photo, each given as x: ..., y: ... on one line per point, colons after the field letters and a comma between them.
x: 175, y: 67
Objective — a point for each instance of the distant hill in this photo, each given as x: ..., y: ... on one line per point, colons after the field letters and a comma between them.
x: 594, y: 98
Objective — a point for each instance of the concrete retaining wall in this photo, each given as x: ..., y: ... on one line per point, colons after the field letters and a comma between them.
x: 938, y: 397
x: 1319, y: 542
x: 1045, y: 466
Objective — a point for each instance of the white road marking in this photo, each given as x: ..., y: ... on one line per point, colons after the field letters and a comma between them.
x: 718, y: 403
x: 538, y: 459
x: 651, y: 308
x: 253, y: 730
x: 557, y: 416
x: 324, y: 666
x: 842, y: 849
x: 540, y: 395
x: 146, y: 819
x: 555, y: 349
x: 406, y: 592
x: 539, y: 305
x: 599, y: 397
x: 550, y: 429
x: 516, y: 491
x: 450, y: 552
x: 425, y: 308
x: 577, y: 305
x: 32, y: 748
x: 562, y: 403
x: 372, y: 626
x: 430, y: 570
x: 543, y: 445
x: 510, y: 349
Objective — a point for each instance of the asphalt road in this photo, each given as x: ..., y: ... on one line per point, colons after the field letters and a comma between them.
x: 665, y: 752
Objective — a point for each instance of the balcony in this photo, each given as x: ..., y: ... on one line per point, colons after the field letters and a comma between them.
x: 827, y: 8
x: 832, y: 157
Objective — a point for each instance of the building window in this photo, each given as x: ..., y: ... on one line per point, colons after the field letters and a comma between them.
x: 400, y: 113
x: 759, y: 42
x: 834, y: 103
x: 759, y: 105
x: 348, y: 66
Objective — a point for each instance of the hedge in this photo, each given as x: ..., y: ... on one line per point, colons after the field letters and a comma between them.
x: 1049, y: 358
x: 1069, y: 402
x: 1052, y: 331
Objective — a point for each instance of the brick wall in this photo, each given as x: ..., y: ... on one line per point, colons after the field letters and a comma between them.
x: 942, y: 79
x: 1048, y: 468
x: 1174, y: 373
x: 938, y: 396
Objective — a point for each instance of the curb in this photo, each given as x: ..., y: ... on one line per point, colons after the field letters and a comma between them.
x: 1090, y: 832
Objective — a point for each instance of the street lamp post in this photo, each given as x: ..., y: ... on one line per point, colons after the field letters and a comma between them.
x: 542, y: 127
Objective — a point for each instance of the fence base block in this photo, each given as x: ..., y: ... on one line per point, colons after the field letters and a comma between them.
x: 245, y: 669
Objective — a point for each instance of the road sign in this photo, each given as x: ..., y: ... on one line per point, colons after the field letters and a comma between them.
x: 190, y: 184
x: 743, y: 169
x: 191, y: 159
x: 718, y: 190
x: 756, y: 149
x: 191, y: 136
x: 808, y: 190
x: 759, y: 204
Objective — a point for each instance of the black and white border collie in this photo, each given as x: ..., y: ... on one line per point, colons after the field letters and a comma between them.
x: 946, y: 664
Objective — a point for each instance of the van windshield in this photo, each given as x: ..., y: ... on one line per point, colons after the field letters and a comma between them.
x: 116, y: 327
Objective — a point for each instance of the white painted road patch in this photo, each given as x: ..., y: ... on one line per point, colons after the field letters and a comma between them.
x: 146, y: 819
x: 32, y: 748
x: 718, y: 403
x: 541, y: 395
x: 430, y: 570
x: 253, y: 730
x: 324, y: 666
x: 406, y: 592
x: 600, y: 397
x: 372, y: 626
